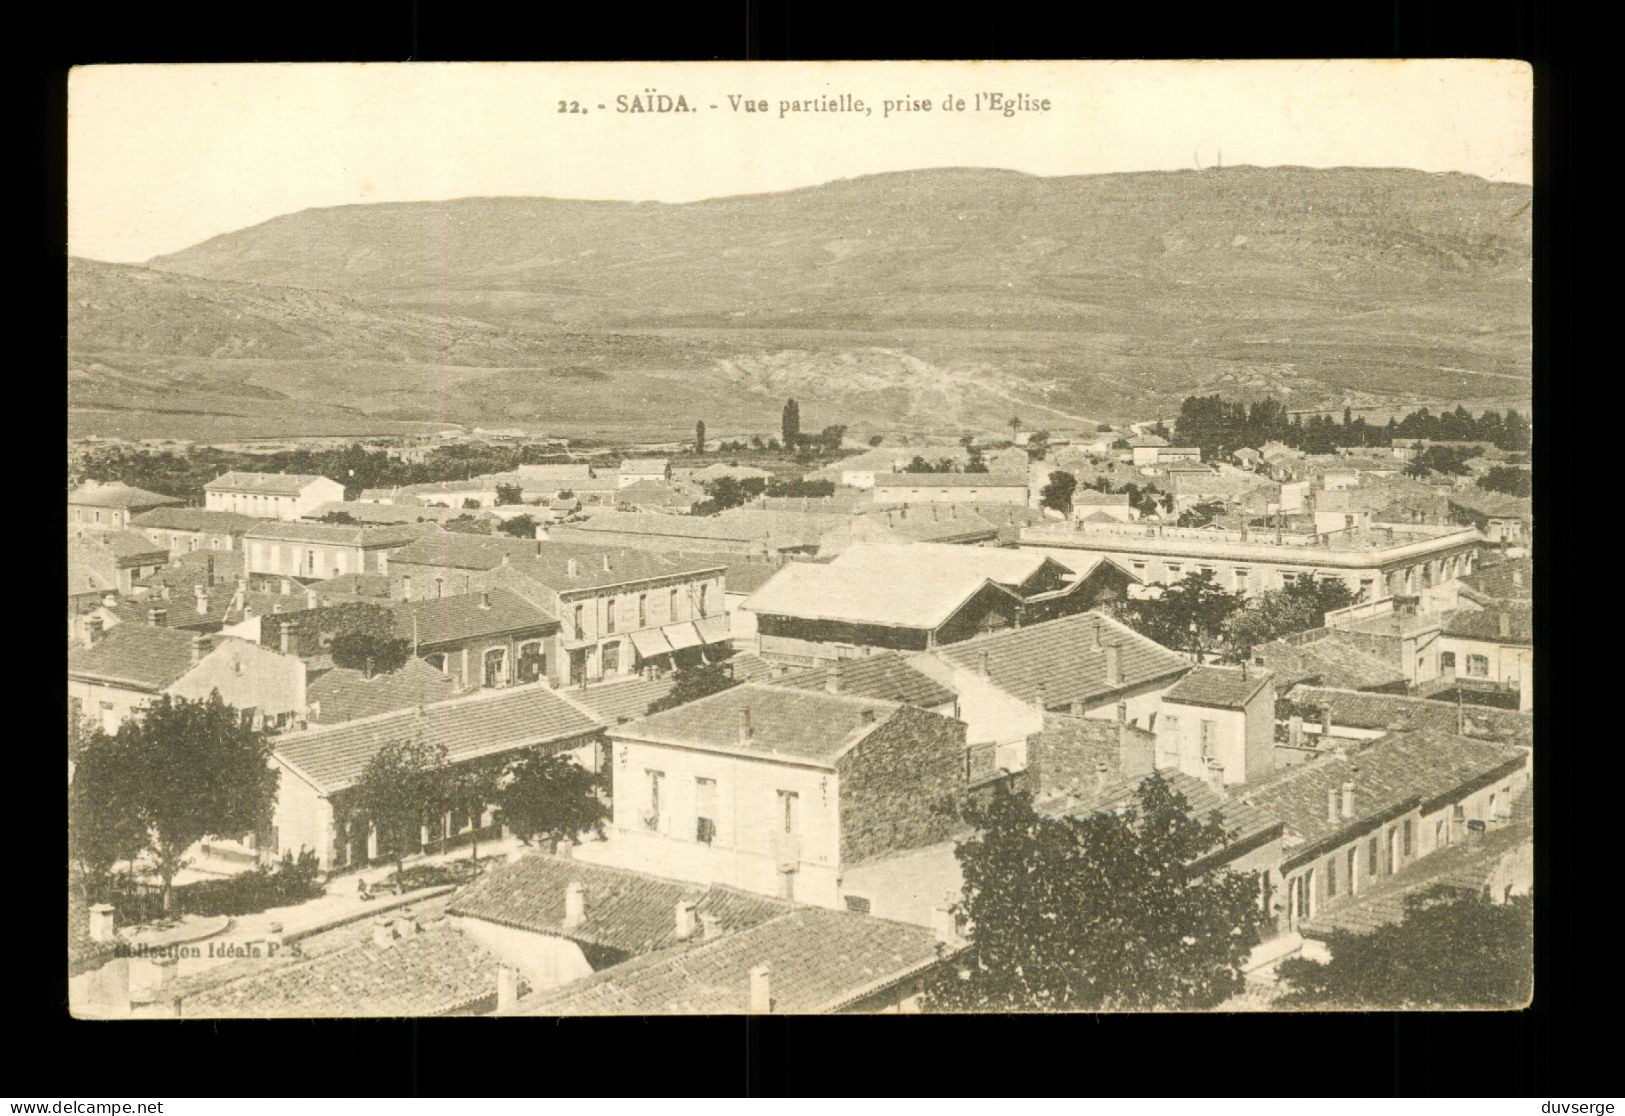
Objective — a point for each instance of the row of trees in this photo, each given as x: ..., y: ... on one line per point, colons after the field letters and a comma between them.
x: 1148, y: 499
x: 1197, y: 616
x: 1222, y: 426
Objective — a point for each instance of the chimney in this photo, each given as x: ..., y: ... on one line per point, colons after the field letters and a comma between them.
x: 832, y: 678
x: 761, y: 990
x: 1348, y: 801
x: 1326, y: 724
x: 290, y: 629
x: 504, y: 558
x: 982, y: 663
x: 565, y: 850
x: 507, y: 987
x: 1215, y: 775
x: 575, y: 905
x: 685, y: 919
x: 102, y: 920
x: 607, y: 566
x: 311, y: 599
x: 383, y: 933
x: 1503, y: 624
x: 200, y: 648
x: 202, y: 600
x: 366, y: 669
x: 745, y: 730
x: 93, y: 630
x: 946, y: 927
x: 485, y: 599
x: 110, y: 600
x: 572, y: 568
x: 710, y: 927
x: 208, y: 568
x: 157, y: 616
x: 1114, y: 666
x: 1334, y: 806
x: 1103, y: 775
x: 1244, y: 671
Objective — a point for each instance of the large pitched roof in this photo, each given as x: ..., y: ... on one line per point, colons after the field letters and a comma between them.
x: 797, y: 725
x: 1510, y: 581
x: 194, y: 519
x: 1066, y: 658
x: 1358, y: 710
x: 1485, y: 624
x: 457, y: 550
x: 887, y: 676
x: 551, y: 566
x: 950, y: 480
x: 645, y: 465
x: 146, y: 656
x: 1219, y: 687
x: 466, y: 616
x: 117, y: 495
x: 615, y: 702
x: 488, y: 723
x: 123, y: 546
x: 337, y: 533
x: 1387, y: 773
x: 895, y: 592
x: 819, y: 960
x: 342, y: 694
x: 623, y: 910
x: 1332, y: 659
x: 275, y: 484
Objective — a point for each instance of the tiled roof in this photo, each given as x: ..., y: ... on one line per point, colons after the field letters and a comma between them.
x: 363, y: 585
x: 433, y: 972
x: 223, y: 606
x: 750, y: 668
x: 342, y: 694
x: 1387, y: 773
x: 697, y: 527
x: 468, y: 616
x: 1485, y: 624
x: 1495, y: 505
x: 1067, y: 659
x: 551, y: 566
x: 645, y: 465
x: 615, y: 702
x: 819, y: 960
x: 141, y: 655
x: 623, y: 910
x: 950, y: 480
x: 1219, y: 687
x: 276, y: 484
x: 886, y: 676
x: 457, y: 550
x: 1397, y: 712
x: 1331, y: 660
x: 722, y: 469
x: 654, y: 493
x: 199, y: 567
x: 1508, y: 581
x: 367, y: 513
x: 1088, y: 497
x: 194, y: 519
x: 1124, y: 793
x: 337, y: 533
x: 556, y: 472
x: 800, y: 725
x: 488, y: 723
x: 85, y: 579
x: 117, y: 496
x: 741, y: 573
x: 124, y: 547
x: 1145, y: 441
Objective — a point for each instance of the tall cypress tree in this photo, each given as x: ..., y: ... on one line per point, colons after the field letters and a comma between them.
x: 791, y: 426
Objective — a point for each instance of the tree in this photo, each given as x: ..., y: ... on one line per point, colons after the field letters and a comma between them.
x: 191, y: 769
x: 1057, y: 493
x: 1453, y: 948
x: 1098, y: 913
x: 553, y: 797
x: 1037, y: 443
x: 1189, y: 616
x: 797, y: 486
x: 976, y: 463
x: 1276, y: 613
x: 469, y: 503
x: 831, y: 437
x: 519, y: 526
x: 403, y: 787
x: 472, y: 789
x: 1201, y: 514
x: 694, y: 683
x: 104, y: 826
x: 790, y: 423
x: 369, y: 651
x: 509, y: 494
x: 1513, y: 482
x: 341, y: 517
x: 699, y: 438
x: 876, y: 439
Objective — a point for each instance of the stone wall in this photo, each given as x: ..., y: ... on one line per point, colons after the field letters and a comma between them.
x: 892, y: 780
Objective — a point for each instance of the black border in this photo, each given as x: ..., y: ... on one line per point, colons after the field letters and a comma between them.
x: 1549, y: 1047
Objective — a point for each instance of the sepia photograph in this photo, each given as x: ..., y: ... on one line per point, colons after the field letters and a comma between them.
x: 792, y: 538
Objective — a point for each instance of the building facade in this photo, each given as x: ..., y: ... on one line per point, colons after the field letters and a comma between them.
x: 270, y: 495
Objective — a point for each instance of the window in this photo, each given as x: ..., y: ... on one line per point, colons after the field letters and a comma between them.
x: 1331, y: 877
x: 109, y: 717
x: 1306, y: 894
x: 705, y: 810
x: 1441, y: 834
x: 1354, y: 877
x: 310, y: 561
x: 580, y: 612
x: 1371, y: 860
x: 1208, y: 732
x: 1393, y: 851
x: 857, y: 904
x: 643, y: 610
x: 1405, y: 839
x: 703, y: 595
x: 1478, y: 666
x: 496, y: 667
x: 439, y: 588
x: 651, y: 816
x: 1447, y: 660
x: 612, y: 659
x: 1241, y: 581
x: 1174, y: 569
x: 1139, y: 567
x: 609, y: 616
x: 790, y: 811
x: 671, y: 605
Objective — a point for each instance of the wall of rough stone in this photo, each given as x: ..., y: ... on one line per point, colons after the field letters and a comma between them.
x: 893, y: 778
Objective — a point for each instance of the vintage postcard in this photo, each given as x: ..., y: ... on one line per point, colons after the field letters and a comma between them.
x: 793, y: 538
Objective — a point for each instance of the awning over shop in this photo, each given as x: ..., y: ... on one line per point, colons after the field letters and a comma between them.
x: 682, y: 636
x: 650, y: 643
x: 713, y: 629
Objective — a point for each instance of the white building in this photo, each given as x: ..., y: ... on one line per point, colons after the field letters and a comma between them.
x: 270, y: 495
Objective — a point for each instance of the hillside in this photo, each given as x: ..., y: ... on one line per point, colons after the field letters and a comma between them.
x: 954, y: 296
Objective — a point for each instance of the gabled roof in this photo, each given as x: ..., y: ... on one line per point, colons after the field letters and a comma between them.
x: 466, y: 616
x: 743, y: 574
x: 645, y: 465
x: 1124, y: 794
x: 1147, y: 441
x: 1219, y: 687
x: 273, y: 484
x: 145, y: 656
x: 117, y: 495
x: 124, y: 547
x: 194, y: 519
x: 341, y: 694
x: 887, y: 676
x: 488, y: 723
x: 950, y: 480
x: 797, y: 725
x: 1485, y: 624
x: 1353, y: 709
x: 1509, y: 581
x: 1066, y: 658
x: 655, y: 493
x: 339, y: 534
x: 819, y: 960
x: 913, y: 586
x: 631, y: 912
x: 551, y: 566
x: 625, y: 700
x: 362, y: 585
x: 1333, y: 659
x: 1088, y: 497
x: 407, y: 510
x: 457, y: 550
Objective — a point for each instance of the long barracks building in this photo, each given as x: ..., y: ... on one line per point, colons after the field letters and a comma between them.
x: 1377, y: 561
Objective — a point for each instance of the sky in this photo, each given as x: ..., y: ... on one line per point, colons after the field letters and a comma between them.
x: 163, y: 157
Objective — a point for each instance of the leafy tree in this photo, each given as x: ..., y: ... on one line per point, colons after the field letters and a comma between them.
x: 469, y: 503
x: 1057, y: 493
x: 831, y: 437
x: 473, y: 788
x: 191, y: 769
x: 876, y: 439
x: 976, y: 463
x: 508, y: 494
x: 919, y: 465
x: 695, y: 683
x: 699, y: 438
x: 790, y: 423
x: 1190, y: 614
x: 1447, y: 460
x: 1201, y: 514
x: 104, y: 827
x: 1513, y: 482
x: 1097, y: 913
x: 797, y: 486
x: 729, y: 492
x: 341, y: 517
x: 362, y: 650
x: 1453, y: 948
x: 519, y: 526
x: 552, y: 797
x: 1037, y: 443
x: 403, y: 787
x: 468, y: 525
x: 1277, y: 613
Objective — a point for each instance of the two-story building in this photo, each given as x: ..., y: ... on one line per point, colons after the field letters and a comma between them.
x: 1218, y: 723
x: 185, y: 530
x: 951, y: 488
x: 110, y: 507
x: 117, y: 558
x: 270, y: 495
x: 489, y: 638
x: 307, y: 552
x: 635, y: 469
x: 1492, y: 648
x: 773, y: 789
